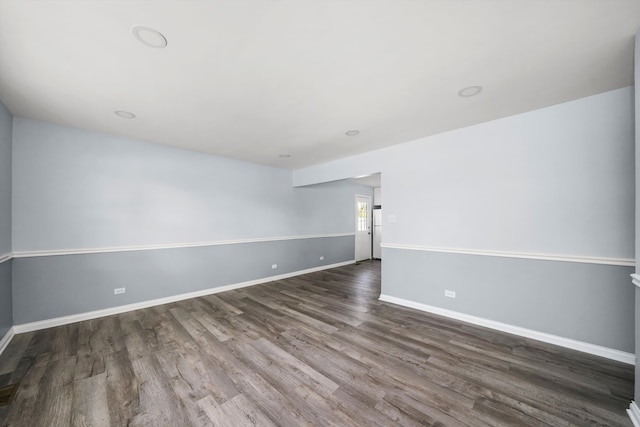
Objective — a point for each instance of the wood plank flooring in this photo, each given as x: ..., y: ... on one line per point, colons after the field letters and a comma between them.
x: 318, y: 349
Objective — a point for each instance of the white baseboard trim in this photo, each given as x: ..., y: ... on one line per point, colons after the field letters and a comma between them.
x: 594, y: 349
x: 4, y: 342
x: 625, y: 262
x: 634, y: 414
x: 65, y: 320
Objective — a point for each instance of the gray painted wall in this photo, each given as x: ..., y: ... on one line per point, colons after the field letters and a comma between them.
x: 54, y: 286
x: 555, y: 181
x: 5, y: 179
x: 6, y: 298
x: 559, y: 298
x: 75, y: 189
x: 637, y: 200
x: 6, y: 308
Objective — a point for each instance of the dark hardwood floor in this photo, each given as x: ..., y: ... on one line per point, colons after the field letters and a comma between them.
x: 318, y: 349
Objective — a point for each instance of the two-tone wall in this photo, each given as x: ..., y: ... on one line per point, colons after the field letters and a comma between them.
x: 6, y: 308
x: 529, y: 219
x: 634, y: 411
x: 94, y: 212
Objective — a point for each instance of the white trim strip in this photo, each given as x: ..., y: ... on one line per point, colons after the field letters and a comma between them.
x: 29, y: 254
x: 634, y: 414
x: 4, y: 342
x: 5, y: 257
x: 65, y: 320
x: 594, y: 349
x: 635, y: 279
x: 626, y: 262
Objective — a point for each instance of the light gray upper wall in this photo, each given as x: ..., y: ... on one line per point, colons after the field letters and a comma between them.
x: 75, y: 189
x: 5, y: 179
x: 558, y: 180
x: 6, y: 298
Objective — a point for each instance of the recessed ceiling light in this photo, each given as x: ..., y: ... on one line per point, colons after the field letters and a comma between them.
x: 470, y: 91
x: 125, y: 114
x: 352, y: 132
x: 149, y: 36
x: 284, y: 156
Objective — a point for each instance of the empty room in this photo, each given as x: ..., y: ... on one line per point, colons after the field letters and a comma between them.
x: 312, y: 213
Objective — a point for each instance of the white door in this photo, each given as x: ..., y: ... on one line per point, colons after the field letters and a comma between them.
x: 363, y: 228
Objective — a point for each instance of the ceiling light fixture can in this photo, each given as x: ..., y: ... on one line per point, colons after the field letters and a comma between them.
x: 352, y: 132
x: 470, y: 91
x: 149, y: 36
x: 284, y: 156
x: 125, y: 114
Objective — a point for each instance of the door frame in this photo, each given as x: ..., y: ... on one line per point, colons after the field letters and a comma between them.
x: 370, y: 222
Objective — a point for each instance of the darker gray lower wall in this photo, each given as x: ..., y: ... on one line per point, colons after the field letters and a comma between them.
x: 637, y: 332
x: 52, y: 286
x: 6, y: 311
x: 586, y: 302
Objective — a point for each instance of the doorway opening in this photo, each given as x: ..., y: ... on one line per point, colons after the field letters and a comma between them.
x: 363, y: 228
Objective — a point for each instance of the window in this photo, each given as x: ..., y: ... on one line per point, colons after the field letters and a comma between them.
x: 363, y: 216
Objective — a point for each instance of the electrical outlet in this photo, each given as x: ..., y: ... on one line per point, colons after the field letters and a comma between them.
x: 274, y: 266
x: 450, y: 294
x: 118, y: 291
x: 321, y: 258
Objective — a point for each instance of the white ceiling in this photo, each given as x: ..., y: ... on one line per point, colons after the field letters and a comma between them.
x: 253, y: 79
